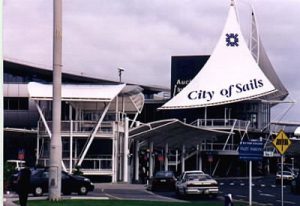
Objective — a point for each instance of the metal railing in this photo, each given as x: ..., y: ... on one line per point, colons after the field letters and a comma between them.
x: 99, y: 164
x: 78, y: 126
x: 221, y: 123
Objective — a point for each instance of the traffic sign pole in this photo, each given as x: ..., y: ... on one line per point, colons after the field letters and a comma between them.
x: 250, y: 183
x: 281, y: 180
x: 281, y: 143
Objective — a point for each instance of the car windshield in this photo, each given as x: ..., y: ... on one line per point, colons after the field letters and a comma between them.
x: 197, y: 176
x: 164, y: 174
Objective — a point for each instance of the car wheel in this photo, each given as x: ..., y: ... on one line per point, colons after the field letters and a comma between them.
x: 38, y: 191
x: 82, y: 190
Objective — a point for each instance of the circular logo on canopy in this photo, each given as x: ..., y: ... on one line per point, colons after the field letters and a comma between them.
x: 232, y: 40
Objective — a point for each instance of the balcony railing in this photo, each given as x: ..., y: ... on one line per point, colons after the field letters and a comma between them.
x: 99, y: 165
x: 221, y: 123
x: 78, y: 127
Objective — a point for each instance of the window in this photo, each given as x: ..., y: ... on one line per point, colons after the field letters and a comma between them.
x: 16, y: 103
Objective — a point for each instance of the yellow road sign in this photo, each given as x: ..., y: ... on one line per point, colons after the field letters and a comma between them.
x: 281, y: 142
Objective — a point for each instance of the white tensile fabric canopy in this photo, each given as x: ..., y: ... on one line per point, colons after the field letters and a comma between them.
x: 93, y: 96
x: 71, y: 92
x: 230, y: 75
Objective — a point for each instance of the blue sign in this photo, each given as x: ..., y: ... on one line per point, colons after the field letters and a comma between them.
x: 251, y: 150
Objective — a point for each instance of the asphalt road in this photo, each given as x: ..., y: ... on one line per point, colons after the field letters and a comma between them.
x: 265, y: 192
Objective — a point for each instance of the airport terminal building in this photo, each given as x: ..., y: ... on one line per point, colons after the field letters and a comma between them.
x: 127, y: 132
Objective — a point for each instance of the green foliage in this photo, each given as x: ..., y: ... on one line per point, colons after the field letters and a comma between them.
x: 8, y: 171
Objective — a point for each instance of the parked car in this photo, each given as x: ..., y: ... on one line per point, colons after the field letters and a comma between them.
x: 162, y: 180
x: 196, y: 183
x: 295, y: 185
x: 287, y: 176
x: 69, y: 183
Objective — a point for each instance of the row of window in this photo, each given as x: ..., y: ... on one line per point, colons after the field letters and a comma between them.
x: 16, y: 103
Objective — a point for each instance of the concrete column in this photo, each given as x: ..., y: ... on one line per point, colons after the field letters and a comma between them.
x: 183, y: 159
x: 176, y: 161
x: 113, y: 161
x: 71, y: 140
x: 166, y: 157
x: 126, y: 150
x: 71, y: 147
x: 151, y: 162
x: 199, y: 156
x: 137, y: 162
x: 200, y: 162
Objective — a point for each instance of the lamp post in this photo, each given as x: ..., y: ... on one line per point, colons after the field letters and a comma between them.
x: 55, y: 143
x: 120, y: 70
x: 292, y: 164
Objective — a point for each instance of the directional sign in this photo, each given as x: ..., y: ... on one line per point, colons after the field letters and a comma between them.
x: 281, y: 142
x: 251, y: 150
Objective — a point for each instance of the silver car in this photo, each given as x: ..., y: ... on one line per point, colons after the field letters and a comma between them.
x: 196, y: 183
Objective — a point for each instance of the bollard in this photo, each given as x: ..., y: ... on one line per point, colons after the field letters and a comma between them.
x: 228, y: 200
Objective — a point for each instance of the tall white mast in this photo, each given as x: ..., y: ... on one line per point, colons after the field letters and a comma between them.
x: 56, y: 144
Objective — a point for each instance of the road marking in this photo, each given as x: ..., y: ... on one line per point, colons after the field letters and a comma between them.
x: 89, y: 198
x: 232, y: 184
x: 288, y: 202
x: 241, y: 196
x: 266, y: 195
x: 262, y: 185
x: 221, y: 183
x: 242, y: 184
x: 111, y: 196
x: 273, y: 185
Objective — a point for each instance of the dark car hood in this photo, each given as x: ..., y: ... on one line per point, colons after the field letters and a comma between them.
x: 78, y: 177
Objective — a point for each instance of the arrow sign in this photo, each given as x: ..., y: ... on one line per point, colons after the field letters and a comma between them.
x: 281, y: 142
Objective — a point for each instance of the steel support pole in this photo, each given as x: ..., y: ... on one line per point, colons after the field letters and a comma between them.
x: 250, y: 183
x: 183, y: 159
x: 126, y: 150
x: 137, y: 162
x: 71, y: 147
x: 151, y: 160
x: 281, y: 180
x: 166, y: 157
x: 56, y: 144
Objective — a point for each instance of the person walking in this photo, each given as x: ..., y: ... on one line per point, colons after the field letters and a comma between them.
x: 23, y: 185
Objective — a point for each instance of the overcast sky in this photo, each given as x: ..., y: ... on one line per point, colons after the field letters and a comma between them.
x: 141, y: 36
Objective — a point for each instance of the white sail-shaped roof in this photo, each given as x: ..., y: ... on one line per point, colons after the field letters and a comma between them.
x: 230, y: 75
x: 261, y: 57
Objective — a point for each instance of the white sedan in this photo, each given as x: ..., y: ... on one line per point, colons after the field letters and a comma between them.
x: 196, y: 183
x: 287, y: 177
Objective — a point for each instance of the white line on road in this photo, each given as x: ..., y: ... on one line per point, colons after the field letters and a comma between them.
x: 288, y: 202
x: 89, y: 198
x: 111, y: 196
x: 266, y: 195
x: 241, y: 196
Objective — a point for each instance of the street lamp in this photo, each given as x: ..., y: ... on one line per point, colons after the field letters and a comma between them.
x: 120, y: 70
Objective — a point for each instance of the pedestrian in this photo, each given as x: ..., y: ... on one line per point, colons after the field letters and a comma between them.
x: 23, y: 185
